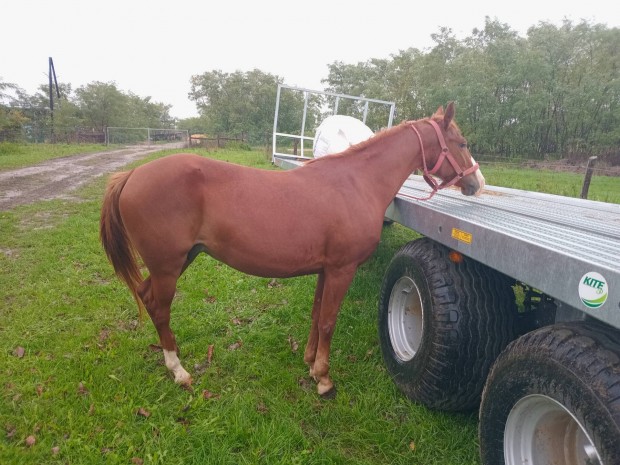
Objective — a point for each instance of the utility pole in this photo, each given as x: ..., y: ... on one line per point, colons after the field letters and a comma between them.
x: 52, y: 74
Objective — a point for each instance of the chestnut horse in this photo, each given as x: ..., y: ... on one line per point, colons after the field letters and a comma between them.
x: 322, y: 218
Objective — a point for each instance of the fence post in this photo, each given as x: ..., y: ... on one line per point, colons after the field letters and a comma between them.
x: 586, y: 180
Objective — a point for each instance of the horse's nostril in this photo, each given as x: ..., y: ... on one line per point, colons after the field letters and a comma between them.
x: 469, y: 189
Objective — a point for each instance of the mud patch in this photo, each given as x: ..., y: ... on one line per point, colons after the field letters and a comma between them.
x: 57, y: 178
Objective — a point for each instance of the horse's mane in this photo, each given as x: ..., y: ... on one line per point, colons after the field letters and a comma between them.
x: 360, y: 145
x: 378, y: 136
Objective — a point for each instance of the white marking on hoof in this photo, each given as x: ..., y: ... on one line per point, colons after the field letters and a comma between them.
x: 174, y: 365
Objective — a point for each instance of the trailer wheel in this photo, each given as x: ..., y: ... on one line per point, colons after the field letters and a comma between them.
x: 442, y: 323
x: 553, y: 396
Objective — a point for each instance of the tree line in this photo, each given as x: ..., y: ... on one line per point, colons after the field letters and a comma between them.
x: 90, y: 108
x: 555, y: 92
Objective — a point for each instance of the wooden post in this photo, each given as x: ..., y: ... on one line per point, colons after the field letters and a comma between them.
x: 586, y: 180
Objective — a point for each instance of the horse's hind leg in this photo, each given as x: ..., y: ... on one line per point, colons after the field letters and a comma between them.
x: 313, y: 337
x: 157, y: 293
x: 336, y: 284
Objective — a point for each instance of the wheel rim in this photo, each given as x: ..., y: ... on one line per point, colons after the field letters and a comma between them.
x: 405, y: 318
x: 540, y: 430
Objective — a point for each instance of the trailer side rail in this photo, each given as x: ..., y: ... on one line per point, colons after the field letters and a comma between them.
x: 549, y: 242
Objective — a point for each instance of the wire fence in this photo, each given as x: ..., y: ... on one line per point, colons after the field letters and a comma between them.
x: 607, y: 164
x: 600, y: 166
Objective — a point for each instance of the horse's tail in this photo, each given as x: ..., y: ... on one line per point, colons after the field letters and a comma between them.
x: 115, y: 240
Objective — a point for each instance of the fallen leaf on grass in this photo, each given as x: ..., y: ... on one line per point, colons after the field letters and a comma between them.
x: 210, y: 354
x: 305, y: 384
x: 39, y: 390
x: 31, y: 441
x: 82, y: 389
x: 241, y: 321
x: 104, y: 334
x: 155, y: 348
x: 274, y: 283
x: 293, y: 343
x: 10, y: 431
x: 262, y: 408
x: 209, y: 395
x: 137, y: 461
x: 412, y: 446
x: 19, y: 352
x: 235, y: 346
x: 209, y: 298
x: 143, y: 412
x: 200, y: 368
x: 55, y: 450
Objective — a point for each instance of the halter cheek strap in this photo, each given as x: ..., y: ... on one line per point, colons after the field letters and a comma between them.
x: 443, y: 155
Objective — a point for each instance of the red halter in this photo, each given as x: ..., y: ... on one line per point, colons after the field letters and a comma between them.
x: 445, y: 153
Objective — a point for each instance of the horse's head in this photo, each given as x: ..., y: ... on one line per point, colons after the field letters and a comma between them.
x: 453, y: 164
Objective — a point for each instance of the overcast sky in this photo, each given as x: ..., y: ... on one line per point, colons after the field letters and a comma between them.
x: 152, y: 48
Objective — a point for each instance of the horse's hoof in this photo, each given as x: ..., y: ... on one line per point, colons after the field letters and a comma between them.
x: 329, y: 394
x: 187, y: 387
x: 183, y: 379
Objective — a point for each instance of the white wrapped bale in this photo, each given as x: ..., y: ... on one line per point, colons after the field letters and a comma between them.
x: 337, y: 133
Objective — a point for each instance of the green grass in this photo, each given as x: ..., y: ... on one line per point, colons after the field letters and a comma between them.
x: 19, y: 155
x: 88, y: 370
x: 602, y: 188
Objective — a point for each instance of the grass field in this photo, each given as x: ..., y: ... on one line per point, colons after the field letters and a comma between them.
x: 19, y: 155
x: 83, y: 383
x: 602, y: 188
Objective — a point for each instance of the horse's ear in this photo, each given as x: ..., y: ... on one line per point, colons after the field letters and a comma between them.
x: 449, y: 115
x: 439, y: 112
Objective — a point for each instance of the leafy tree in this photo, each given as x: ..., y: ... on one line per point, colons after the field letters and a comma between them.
x: 367, y: 79
x: 243, y: 102
x: 102, y: 105
x: 142, y: 112
x: 12, y: 118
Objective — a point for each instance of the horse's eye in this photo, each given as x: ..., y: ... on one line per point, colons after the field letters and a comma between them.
x: 463, y: 145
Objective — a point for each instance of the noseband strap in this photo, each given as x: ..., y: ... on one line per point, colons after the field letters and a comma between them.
x: 443, y: 155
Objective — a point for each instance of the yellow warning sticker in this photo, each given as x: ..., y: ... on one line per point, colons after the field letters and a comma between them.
x: 462, y: 236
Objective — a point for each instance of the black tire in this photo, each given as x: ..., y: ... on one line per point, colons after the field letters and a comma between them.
x: 442, y: 323
x: 553, y: 396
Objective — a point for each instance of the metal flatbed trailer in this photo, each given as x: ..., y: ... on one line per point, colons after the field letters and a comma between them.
x: 509, y: 303
x: 546, y: 241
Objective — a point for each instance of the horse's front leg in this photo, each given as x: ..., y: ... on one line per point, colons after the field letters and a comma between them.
x: 313, y: 337
x: 157, y: 294
x: 335, y: 286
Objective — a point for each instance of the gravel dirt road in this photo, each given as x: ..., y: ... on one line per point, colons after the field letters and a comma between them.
x: 58, y: 178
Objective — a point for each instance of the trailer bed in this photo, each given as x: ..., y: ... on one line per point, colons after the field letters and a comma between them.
x: 548, y: 242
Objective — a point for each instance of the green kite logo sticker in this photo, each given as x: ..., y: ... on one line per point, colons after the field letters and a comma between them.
x: 593, y: 290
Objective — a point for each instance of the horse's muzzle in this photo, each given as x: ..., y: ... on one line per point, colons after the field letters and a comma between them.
x: 472, y: 184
